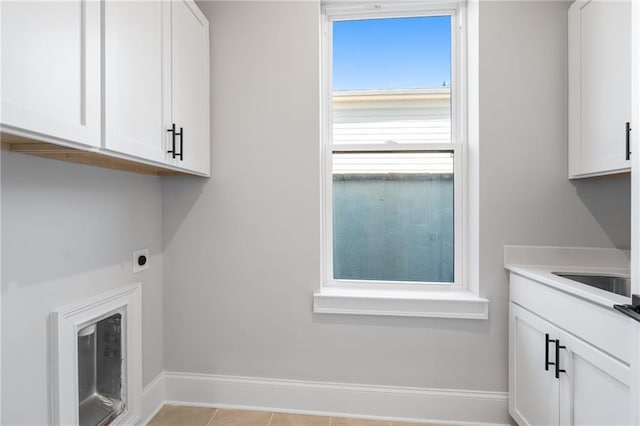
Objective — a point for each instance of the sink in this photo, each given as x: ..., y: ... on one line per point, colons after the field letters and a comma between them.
x: 618, y: 284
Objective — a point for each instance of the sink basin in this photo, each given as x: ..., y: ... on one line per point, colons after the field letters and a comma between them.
x: 617, y: 284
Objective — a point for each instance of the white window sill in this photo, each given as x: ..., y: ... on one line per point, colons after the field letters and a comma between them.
x: 401, y: 303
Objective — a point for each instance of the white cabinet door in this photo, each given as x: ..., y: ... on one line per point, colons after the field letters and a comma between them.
x: 134, y: 48
x: 533, y: 388
x: 51, y: 69
x: 190, y: 85
x: 594, y: 387
x: 589, y: 388
x: 599, y: 86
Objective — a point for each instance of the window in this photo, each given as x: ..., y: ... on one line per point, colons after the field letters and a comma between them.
x: 394, y: 146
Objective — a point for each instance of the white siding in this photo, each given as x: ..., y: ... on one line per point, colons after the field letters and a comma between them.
x: 392, y: 163
x: 416, y: 116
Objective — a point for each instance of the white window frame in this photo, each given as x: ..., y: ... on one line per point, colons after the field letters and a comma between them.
x: 404, y: 298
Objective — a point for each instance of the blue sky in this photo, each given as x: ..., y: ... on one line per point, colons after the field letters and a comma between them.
x: 398, y: 53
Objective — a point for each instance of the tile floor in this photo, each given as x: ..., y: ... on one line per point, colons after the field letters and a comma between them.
x: 170, y: 415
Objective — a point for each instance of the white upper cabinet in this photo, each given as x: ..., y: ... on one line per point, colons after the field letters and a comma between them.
x: 189, y: 91
x: 51, y: 70
x: 599, y: 87
x: 134, y: 49
x: 109, y: 81
x: 157, y: 82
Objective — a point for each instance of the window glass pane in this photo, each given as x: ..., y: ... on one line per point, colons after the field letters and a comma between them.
x: 392, y: 80
x: 393, y: 216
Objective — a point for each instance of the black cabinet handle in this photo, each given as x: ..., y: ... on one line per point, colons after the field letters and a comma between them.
x: 558, y: 369
x: 181, y: 134
x: 628, y: 140
x: 172, y: 130
x: 546, y: 352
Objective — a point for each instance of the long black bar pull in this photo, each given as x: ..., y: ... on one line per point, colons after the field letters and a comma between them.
x: 546, y: 352
x: 558, y: 369
x: 181, y: 134
x: 628, y: 140
x: 172, y: 130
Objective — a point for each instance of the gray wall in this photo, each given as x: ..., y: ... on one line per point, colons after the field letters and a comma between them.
x: 242, y: 249
x: 525, y: 196
x: 68, y: 232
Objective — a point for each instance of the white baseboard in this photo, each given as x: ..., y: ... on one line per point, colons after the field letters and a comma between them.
x: 329, y: 399
x: 153, y: 398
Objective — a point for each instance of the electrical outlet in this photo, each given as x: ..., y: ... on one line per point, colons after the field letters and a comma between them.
x: 140, y: 260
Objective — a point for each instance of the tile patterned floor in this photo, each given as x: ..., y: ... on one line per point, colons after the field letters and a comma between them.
x: 170, y: 415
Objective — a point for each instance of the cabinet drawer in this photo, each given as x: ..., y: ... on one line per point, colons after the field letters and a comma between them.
x: 602, y: 327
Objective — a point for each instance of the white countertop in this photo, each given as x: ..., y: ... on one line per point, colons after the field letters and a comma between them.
x: 539, y: 263
x: 544, y: 274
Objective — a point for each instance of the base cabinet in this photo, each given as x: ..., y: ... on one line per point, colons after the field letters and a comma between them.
x: 556, y: 378
x: 533, y: 389
x: 594, y: 390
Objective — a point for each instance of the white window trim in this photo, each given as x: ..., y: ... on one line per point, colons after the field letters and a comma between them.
x: 442, y: 300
